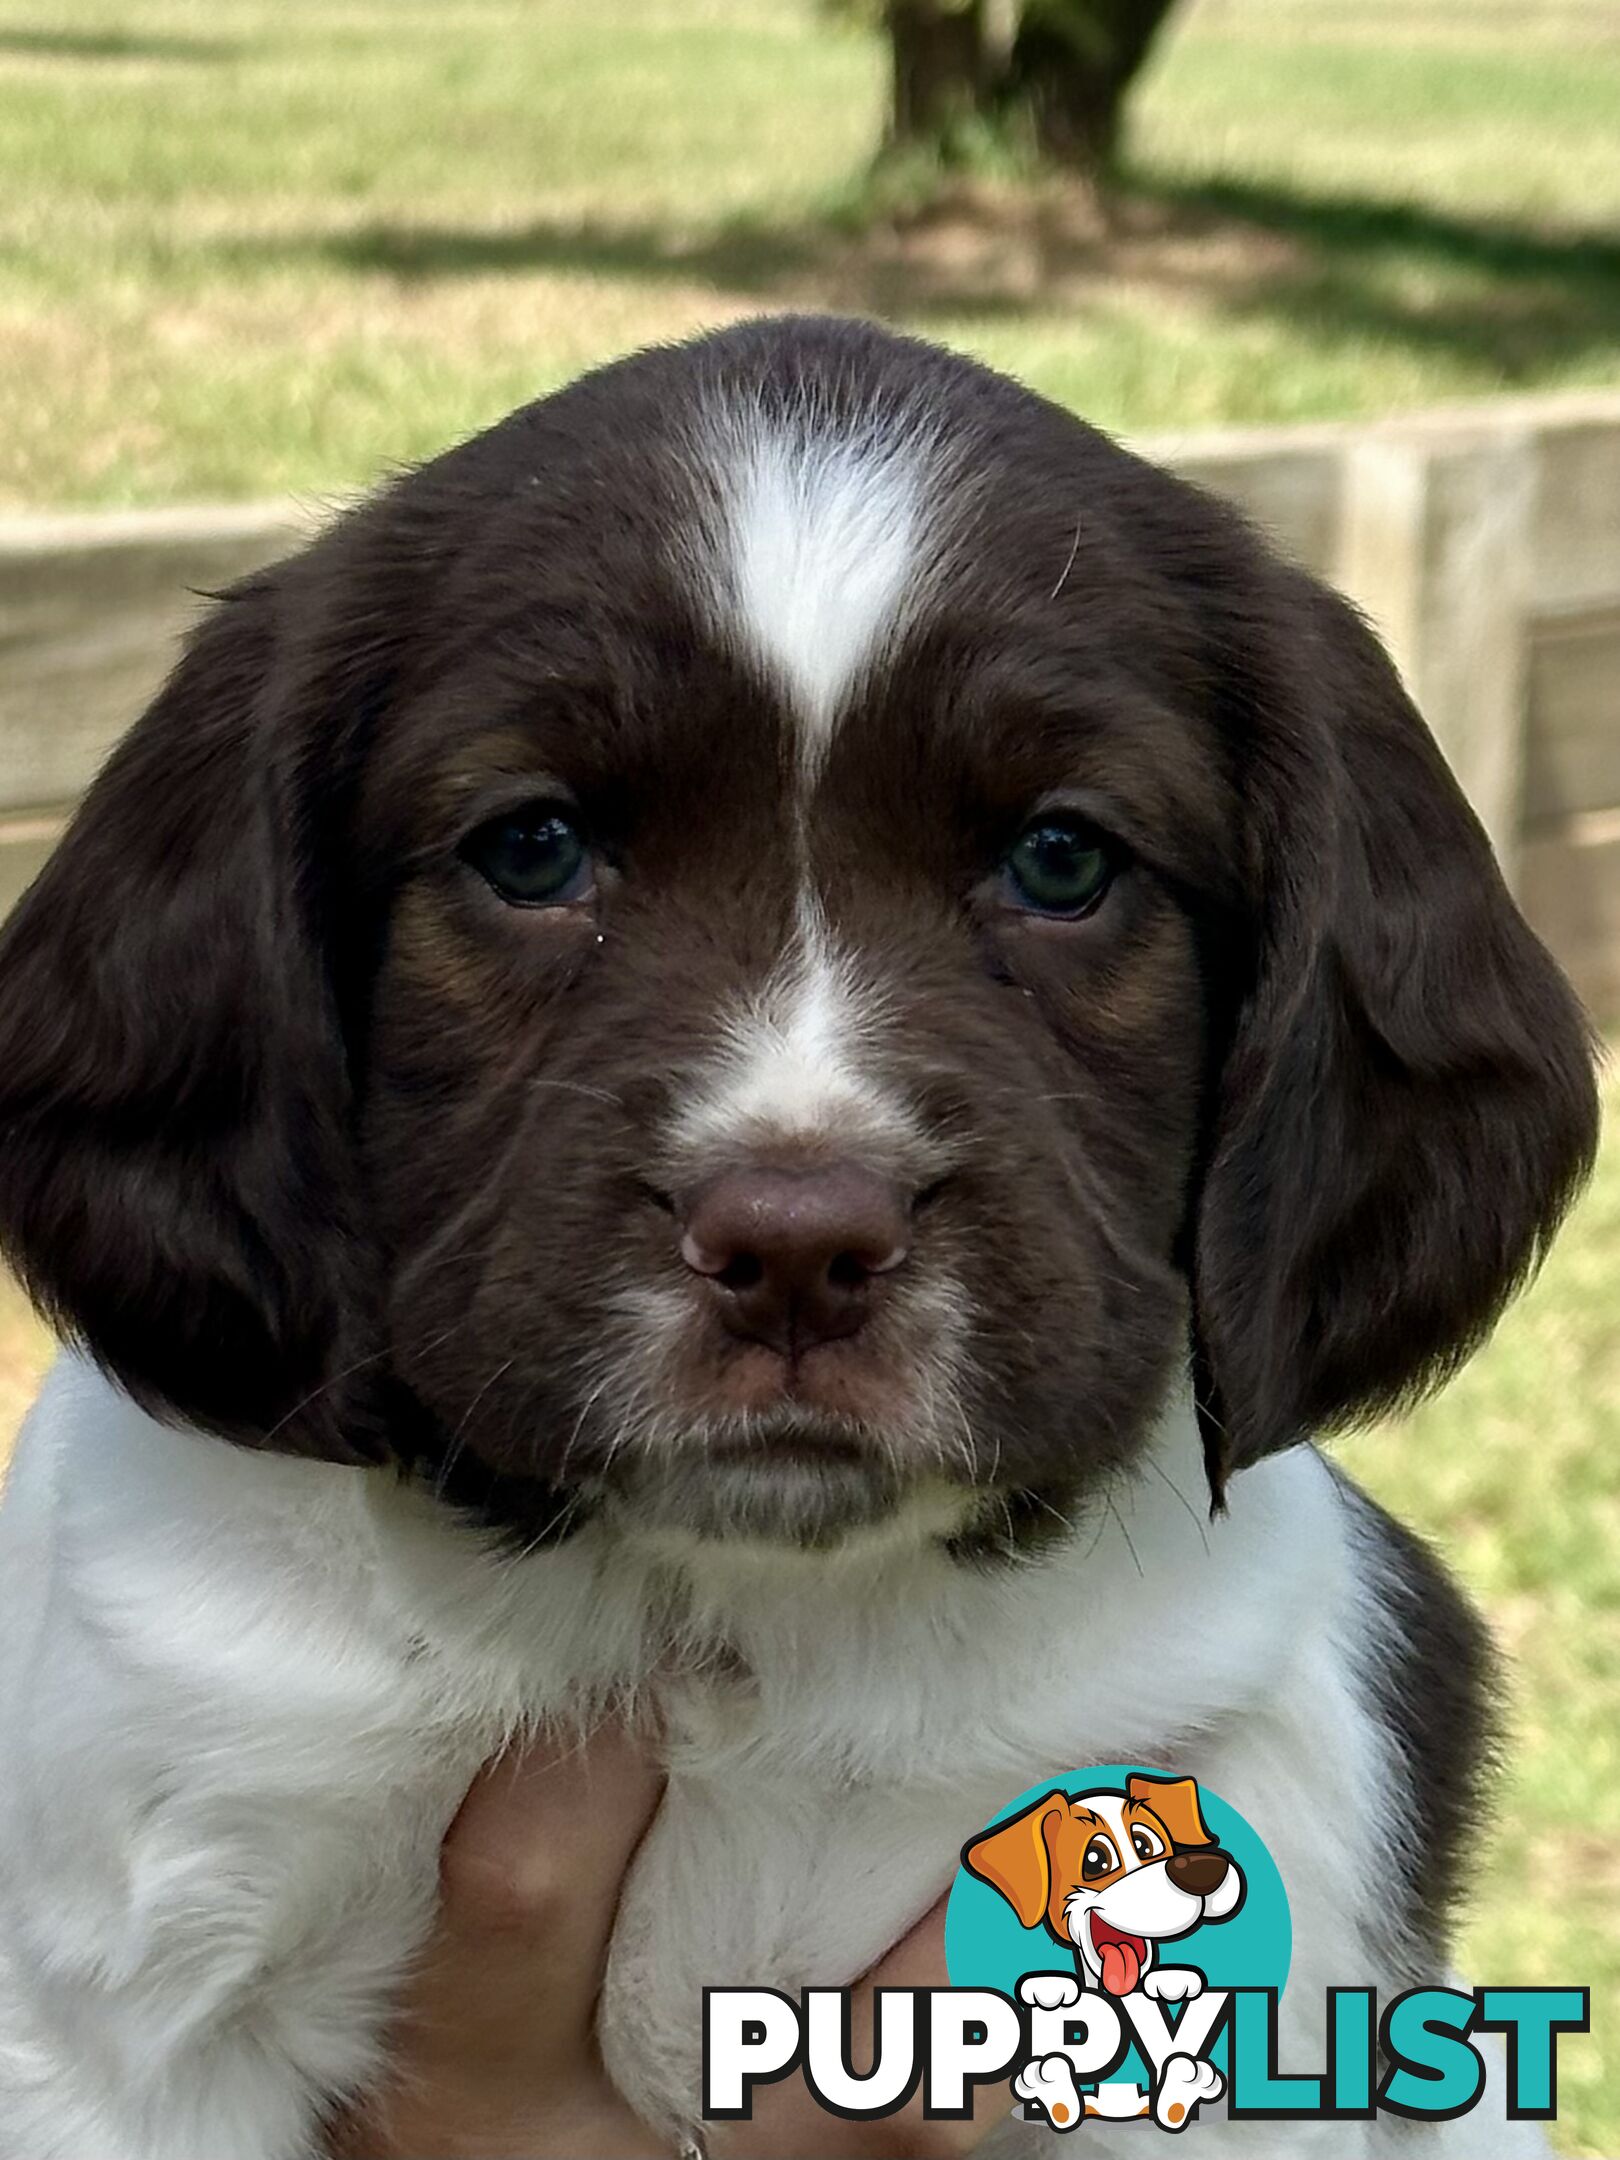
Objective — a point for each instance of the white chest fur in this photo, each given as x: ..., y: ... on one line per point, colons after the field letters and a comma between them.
x: 240, y: 1697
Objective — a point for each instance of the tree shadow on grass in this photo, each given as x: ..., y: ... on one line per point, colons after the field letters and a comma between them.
x: 1512, y: 297
x: 24, y: 43
x: 807, y: 264
x: 744, y: 256
x: 1504, y: 296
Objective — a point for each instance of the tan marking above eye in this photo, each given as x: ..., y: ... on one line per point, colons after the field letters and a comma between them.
x: 1139, y: 1817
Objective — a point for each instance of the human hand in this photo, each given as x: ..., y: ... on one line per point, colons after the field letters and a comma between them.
x: 494, y: 2054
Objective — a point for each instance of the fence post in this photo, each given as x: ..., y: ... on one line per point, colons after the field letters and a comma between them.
x: 1435, y: 544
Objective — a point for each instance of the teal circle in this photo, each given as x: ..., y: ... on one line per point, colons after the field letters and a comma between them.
x: 986, y: 1947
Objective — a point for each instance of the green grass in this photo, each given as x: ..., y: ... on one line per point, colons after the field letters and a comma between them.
x: 249, y: 246
x: 1514, y: 1472
x: 256, y: 245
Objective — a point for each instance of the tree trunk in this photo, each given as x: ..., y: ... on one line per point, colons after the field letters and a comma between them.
x: 941, y: 72
x: 1072, y: 63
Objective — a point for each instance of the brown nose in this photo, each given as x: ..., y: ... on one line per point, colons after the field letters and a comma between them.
x: 1198, y: 1873
x: 790, y: 1256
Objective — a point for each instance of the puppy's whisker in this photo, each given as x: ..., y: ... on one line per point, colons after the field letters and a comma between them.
x: 1192, y: 1513
x: 458, y: 1437
x: 1130, y: 1546
x: 577, y: 1087
x: 1056, y: 1514
x: 549, y: 1529
x: 375, y: 1357
x: 585, y: 1409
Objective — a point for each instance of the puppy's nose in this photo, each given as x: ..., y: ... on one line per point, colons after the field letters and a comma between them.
x: 791, y: 1256
x: 1200, y: 1874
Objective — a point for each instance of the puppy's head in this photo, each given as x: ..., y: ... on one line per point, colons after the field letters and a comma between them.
x: 787, y: 930
x: 1112, y: 1873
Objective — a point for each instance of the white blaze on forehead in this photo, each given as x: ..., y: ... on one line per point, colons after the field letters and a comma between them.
x: 821, y: 547
x: 1109, y: 1808
x: 823, y: 530
x: 790, y: 1062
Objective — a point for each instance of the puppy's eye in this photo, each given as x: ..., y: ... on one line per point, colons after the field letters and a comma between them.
x: 1145, y: 1845
x: 1100, y: 1859
x: 533, y: 857
x: 1059, y: 866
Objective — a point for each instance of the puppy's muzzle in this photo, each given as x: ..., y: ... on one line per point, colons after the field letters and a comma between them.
x: 1200, y: 1874
x: 794, y: 1258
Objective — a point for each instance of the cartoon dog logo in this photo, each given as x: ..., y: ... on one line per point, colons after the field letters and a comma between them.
x: 1111, y: 1876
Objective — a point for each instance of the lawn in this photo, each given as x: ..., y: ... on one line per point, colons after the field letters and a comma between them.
x: 257, y: 246
x: 249, y: 246
x: 1512, y: 1471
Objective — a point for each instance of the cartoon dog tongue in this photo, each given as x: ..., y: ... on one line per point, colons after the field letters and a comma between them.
x: 1121, y: 1962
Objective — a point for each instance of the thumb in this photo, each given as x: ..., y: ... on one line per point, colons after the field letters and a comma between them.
x: 539, y: 1849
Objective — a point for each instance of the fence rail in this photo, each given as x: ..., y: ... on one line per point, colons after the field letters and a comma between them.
x: 1485, y: 544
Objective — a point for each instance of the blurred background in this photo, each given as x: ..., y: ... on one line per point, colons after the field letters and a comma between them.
x: 1356, y: 264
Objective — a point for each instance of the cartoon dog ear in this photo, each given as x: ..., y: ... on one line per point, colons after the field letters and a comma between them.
x: 175, y: 1168
x: 1014, y: 1858
x: 1406, y: 1101
x: 1175, y: 1802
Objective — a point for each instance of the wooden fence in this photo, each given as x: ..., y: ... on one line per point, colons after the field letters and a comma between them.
x: 1485, y: 544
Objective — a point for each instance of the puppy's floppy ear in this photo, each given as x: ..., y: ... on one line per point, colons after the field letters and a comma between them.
x: 174, y: 1162
x: 1407, y: 1103
x: 1175, y: 1802
x: 1014, y: 1858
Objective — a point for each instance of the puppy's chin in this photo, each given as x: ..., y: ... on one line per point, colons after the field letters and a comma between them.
x: 809, y: 1486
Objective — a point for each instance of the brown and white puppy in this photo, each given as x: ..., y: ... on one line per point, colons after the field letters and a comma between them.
x: 735, y: 1033
x: 1111, y: 1875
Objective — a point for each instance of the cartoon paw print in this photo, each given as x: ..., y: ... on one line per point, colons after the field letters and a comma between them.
x: 1049, y: 1991
x: 1049, y: 2082
x: 1173, y: 1983
x: 1186, y: 2082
